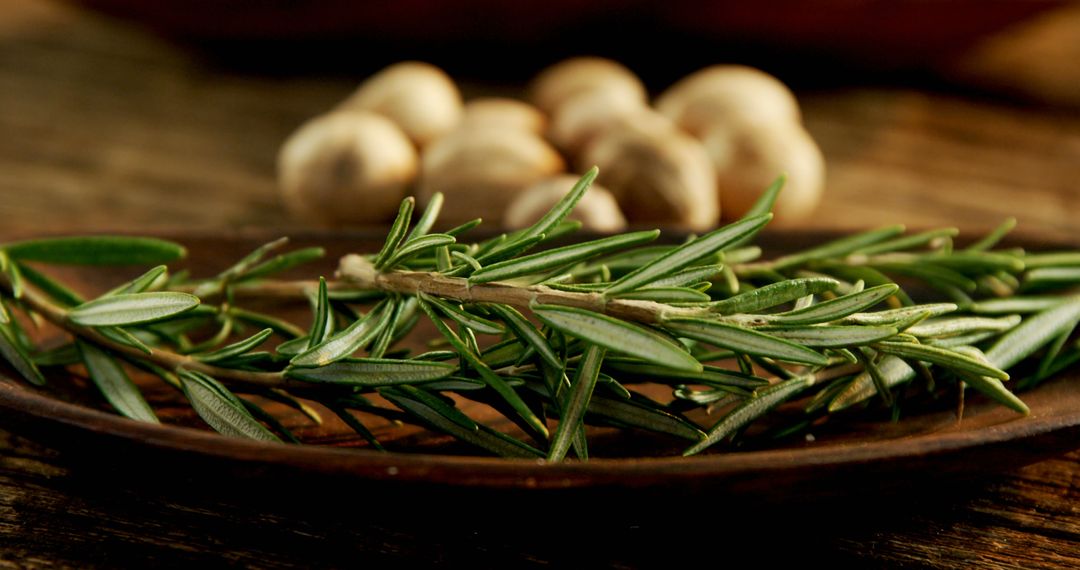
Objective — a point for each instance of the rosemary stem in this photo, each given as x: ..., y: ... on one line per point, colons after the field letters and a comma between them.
x: 59, y: 316
x: 358, y: 272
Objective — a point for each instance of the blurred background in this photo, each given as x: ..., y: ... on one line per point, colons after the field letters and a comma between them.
x: 163, y: 116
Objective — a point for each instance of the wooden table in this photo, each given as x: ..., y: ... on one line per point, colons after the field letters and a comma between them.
x: 106, y: 127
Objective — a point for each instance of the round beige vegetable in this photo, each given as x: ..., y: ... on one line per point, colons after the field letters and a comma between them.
x: 749, y: 157
x: 419, y: 97
x: 597, y: 210
x: 584, y: 116
x: 658, y: 174
x: 503, y: 113
x: 558, y: 83
x: 727, y: 93
x: 346, y: 167
x: 480, y: 171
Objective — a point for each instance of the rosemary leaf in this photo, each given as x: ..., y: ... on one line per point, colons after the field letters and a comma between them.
x: 689, y: 254
x: 581, y: 390
x: 221, y: 409
x: 991, y: 387
x: 511, y: 249
x: 130, y: 309
x: 527, y: 334
x: 322, y: 323
x: 370, y: 372
x: 235, y: 349
x: 934, y: 275
x: 14, y: 351
x: 773, y: 295
x: 750, y: 410
x: 283, y: 397
x: 1033, y: 333
x: 123, y: 337
x: 837, y: 308
x: 893, y: 316
x: 962, y: 325
x: 281, y: 327
x: 416, y: 246
x: 443, y: 406
x: 871, y: 368
x: 114, y: 384
x: 991, y: 239
x: 427, y: 219
x: 343, y: 344
x: 262, y: 415
x: 819, y: 336
x: 908, y: 242
x: 493, y: 442
x: 458, y: 230
x: 396, y: 233
x: 893, y: 371
x: 140, y: 283
x: 350, y: 420
x: 763, y: 205
x: 493, y: 380
x: 1020, y: 304
x: 556, y: 214
x: 293, y: 347
x: 687, y: 277
x: 539, y: 262
x: 618, y: 336
x: 667, y: 295
x: 942, y: 357
x: 1052, y: 259
x: 838, y: 248
x: 710, y: 375
x: 464, y: 318
x: 282, y: 262
x: 13, y: 273
x: 744, y: 341
x: 634, y: 413
x: 96, y: 250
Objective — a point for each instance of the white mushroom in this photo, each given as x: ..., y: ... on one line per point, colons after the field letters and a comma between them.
x: 419, y: 97
x: 725, y: 94
x: 346, y: 167
x: 597, y: 210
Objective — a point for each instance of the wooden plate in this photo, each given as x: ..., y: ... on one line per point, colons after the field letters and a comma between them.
x: 856, y: 453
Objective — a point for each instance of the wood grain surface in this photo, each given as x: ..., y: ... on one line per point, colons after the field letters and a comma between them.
x: 108, y: 127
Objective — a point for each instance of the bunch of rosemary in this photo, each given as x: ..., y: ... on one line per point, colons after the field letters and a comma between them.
x: 827, y: 327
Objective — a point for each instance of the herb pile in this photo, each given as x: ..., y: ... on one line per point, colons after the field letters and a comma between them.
x: 576, y: 328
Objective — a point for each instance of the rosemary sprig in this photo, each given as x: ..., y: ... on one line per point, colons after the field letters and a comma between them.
x: 555, y: 338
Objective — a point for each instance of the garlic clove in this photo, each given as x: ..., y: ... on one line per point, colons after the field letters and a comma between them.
x: 503, y: 112
x: 597, y: 210
x: 481, y: 170
x: 419, y: 97
x: 562, y: 81
x: 346, y: 167
x: 749, y: 157
x: 584, y: 116
x: 728, y: 93
x: 658, y: 174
